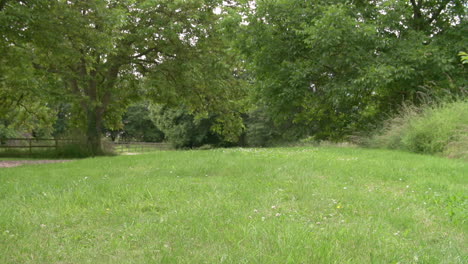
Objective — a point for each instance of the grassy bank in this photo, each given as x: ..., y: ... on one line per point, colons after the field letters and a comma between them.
x: 440, y: 129
x: 285, y: 205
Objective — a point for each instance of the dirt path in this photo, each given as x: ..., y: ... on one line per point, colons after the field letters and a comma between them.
x: 16, y: 163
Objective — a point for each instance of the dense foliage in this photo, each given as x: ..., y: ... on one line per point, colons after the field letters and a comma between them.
x: 100, y: 54
x: 335, y: 67
x: 137, y: 126
x: 259, y: 71
x: 183, y: 129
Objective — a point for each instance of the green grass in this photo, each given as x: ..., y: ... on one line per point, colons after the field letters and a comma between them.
x: 284, y: 205
x: 432, y: 129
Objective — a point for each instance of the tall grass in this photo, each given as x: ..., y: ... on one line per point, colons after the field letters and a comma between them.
x: 437, y: 129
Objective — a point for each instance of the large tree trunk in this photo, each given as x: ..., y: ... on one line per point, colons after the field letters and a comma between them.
x: 96, y: 105
x: 93, y: 132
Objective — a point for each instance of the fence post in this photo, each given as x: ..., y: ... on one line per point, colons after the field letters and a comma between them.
x: 30, y: 146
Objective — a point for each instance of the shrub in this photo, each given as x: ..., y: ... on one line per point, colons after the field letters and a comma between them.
x: 434, y: 129
x: 183, y: 129
x: 260, y: 130
x: 458, y: 148
x: 71, y: 151
x: 138, y: 125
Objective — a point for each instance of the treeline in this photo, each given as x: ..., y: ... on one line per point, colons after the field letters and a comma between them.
x: 224, y: 72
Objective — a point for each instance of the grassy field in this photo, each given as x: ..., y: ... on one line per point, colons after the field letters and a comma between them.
x: 285, y: 205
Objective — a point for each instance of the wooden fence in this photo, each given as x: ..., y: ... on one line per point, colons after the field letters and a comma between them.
x: 29, y: 144
x: 122, y: 147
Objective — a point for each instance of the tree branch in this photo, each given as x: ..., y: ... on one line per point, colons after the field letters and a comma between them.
x: 148, y: 61
x: 141, y: 66
x: 76, y: 90
x: 416, y: 8
x: 420, y: 2
x: 417, y: 15
x: 435, y: 15
x: 7, y: 103
x: 145, y: 52
x: 105, y: 102
x: 33, y: 113
x: 37, y: 66
x: 2, y: 4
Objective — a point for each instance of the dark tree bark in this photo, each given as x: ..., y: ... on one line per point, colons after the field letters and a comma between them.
x: 418, y: 18
x: 2, y: 4
x: 93, y: 133
x: 423, y: 21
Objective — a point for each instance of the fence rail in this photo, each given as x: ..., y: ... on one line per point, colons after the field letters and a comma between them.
x: 140, y: 146
x: 34, y: 143
x: 29, y: 144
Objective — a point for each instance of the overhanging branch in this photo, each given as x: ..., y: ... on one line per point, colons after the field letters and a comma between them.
x: 437, y: 13
x: 146, y: 52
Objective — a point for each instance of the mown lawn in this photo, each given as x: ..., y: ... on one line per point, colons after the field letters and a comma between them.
x: 285, y: 205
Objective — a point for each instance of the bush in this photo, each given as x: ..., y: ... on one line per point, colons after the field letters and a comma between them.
x: 182, y: 129
x: 441, y: 128
x: 138, y: 125
x: 71, y: 151
x: 260, y: 130
x: 458, y: 148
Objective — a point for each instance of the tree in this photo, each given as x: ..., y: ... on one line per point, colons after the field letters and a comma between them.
x: 138, y: 126
x: 331, y: 68
x: 23, y: 110
x: 181, y: 128
x: 96, y: 54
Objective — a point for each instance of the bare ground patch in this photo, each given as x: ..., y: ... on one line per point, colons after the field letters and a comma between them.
x: 16, y: 163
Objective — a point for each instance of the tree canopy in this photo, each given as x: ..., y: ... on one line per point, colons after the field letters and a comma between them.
x: 318, y: 68
x: 334, y: 67
x: 102, y: 55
